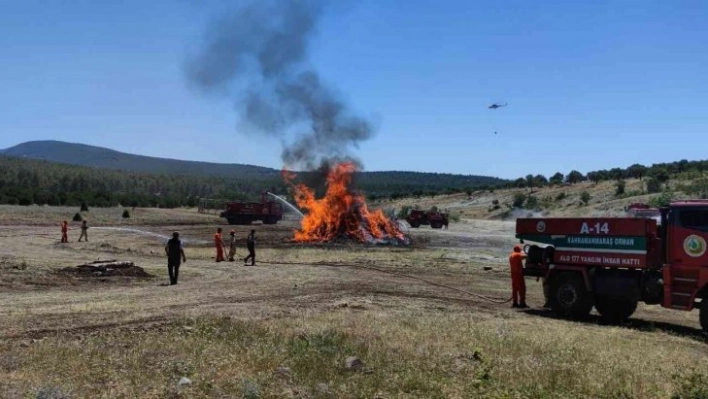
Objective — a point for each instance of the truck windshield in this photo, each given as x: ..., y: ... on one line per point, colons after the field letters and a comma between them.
x: 694, y: 219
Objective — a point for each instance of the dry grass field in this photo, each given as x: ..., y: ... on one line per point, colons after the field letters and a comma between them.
x: 285, y: 327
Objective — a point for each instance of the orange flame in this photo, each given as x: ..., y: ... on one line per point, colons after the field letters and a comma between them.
x: 340, y: 213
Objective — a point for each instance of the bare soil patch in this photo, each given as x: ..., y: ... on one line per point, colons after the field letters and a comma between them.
x: 111, y: 268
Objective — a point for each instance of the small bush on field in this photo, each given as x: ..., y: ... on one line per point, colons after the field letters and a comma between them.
x: 585, y: 197
x: 661, y: 200
x: 77, y: 217
x: 561, y: 196
x: 518, y: 200
x: 126, y: 214
x: 653, y: 185
x: 620, y: 187
x: 531, y: 202
x: 84, y: 207
x: 693, y: 387
x: 403, y: 212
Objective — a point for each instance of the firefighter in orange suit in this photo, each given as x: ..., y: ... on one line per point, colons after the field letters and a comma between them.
x: 219, y: 243
x: 64, y: 231
x: 518, y: 285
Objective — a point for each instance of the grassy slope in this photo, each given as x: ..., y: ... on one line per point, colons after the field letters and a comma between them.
x: 603, y: 201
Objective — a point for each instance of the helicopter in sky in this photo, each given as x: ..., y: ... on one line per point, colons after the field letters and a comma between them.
x: 497, y: 105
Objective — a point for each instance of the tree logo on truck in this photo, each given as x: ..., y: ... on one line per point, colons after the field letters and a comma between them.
x: 694, y: 246
x: 541, y: 226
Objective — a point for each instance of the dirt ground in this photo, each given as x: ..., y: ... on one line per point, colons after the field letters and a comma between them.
x: 44, y: 312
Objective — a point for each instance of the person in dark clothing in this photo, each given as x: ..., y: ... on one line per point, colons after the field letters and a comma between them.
x: 175, y: 253
x: 251, y: 244
x: 84, y: 231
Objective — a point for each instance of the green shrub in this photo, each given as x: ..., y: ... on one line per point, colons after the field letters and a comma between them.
x: 531, y: 202
x: 403, y: 213
x: 585, y: 197
x: 653, y: 185
x: 77, y: 217
x: 126, y: 214
x: 619, y: 188
x: 518, y: 200
x: 561, y: 196
x: 84, y: 207
x: 661, y: 200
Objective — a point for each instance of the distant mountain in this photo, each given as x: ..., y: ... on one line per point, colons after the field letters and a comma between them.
x: 376, y: 183
x: 104, y: 158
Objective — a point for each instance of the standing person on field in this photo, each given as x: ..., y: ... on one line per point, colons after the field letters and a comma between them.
x: 65, y: 231
x: 84, y: 231
x: 219, y: 243
x: 518, y: 285
x: 232, y: 246
x: 251, y: 244
x: 175, y: 253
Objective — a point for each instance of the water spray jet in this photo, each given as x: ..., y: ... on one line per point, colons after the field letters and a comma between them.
x: 149, y: 233
x: 291, y: 206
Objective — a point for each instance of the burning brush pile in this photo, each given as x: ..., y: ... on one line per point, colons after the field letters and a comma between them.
x: 342, y: 214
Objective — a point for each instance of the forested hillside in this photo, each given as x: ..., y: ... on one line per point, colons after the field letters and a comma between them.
x: 86, y: 155
x: 656, y: 175
x: 24, y: 182
x: 28, y: 181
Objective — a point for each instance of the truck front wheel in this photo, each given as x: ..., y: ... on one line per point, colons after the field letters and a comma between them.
x: 615, y: 310
x: 703, y: 315
x: 569, y: 297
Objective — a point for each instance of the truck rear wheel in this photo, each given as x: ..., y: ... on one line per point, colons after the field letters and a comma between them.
x: 615, y: 310
x: 568, y: 295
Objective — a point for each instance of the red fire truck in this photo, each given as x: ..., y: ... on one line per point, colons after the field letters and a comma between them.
x: 613, y: 263
x: 435, y: 219
x: 267, y: 211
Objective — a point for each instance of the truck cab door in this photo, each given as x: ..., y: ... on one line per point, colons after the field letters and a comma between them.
x: 687, y: 236
x: 687, y: 258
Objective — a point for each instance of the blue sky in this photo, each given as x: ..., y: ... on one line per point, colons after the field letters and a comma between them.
x: 589, y: 85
